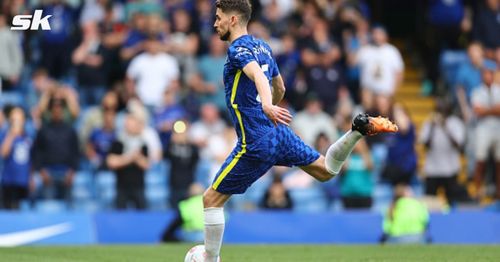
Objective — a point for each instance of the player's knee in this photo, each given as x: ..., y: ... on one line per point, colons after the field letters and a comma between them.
x: 212, y: 198
x: 208, y: 199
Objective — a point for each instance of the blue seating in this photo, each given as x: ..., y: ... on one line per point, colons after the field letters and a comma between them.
x: 308, y: 200
x: 449, y: 63
x: 382, y: 197
x: 82, y: 186
x: 50, y: 206
x: 105, y: 189
x: 156, y: 196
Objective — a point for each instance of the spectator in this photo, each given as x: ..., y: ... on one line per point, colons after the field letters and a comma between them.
x: 446, y: 22
x: 133, y: 43
x: 94, y: 117
x: 209, y: 127
x: 407, y: 219
x: 128, y: 158
x: 468, y: 78
x: 220, y: 146
x: 354, y: 40
x: 288, y: 62
x: 204, y: 22
x: 257, y: 29
x: 165, y: 116
x: 151, y: 73
x: 486, y: 25
x: 209, y: 124
x: 100, y: 140
x: 274, y: 16
x: 188, y: 217
x: 93, y: 11
x: 381, y: 70
x: 90, y: 61
x: 11, y: 57
x: 56, y: 43
x: 183, y: 156
x: 277, y: 196
x: 113, y: 37
x: 15, y: 147
x: 148, y: 133
x: 312, y: 121
x: 401, y: 163
x: 65, y: 97
x: 443, y: 136
x: 208, y: 83
x: 486, y: 106
x: 40, y: 84
x: 322, y: 70
x: 55, y: 153
x: 356, y: 181
x: 183, y: 42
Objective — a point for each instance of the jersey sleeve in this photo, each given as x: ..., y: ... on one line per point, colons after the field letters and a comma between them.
x: 240, y: 56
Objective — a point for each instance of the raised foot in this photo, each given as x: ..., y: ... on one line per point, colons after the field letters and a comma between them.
x: 369, y: 126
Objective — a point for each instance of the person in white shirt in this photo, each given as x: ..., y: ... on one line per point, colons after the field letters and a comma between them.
x: 443, y: 136
x: 381, y: 70
x: 486, y: 107
x: 204, y: 133
x: 312, y: 121
x: 151, y: 73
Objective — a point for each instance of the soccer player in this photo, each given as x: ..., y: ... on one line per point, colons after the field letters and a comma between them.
x: 253, y: 88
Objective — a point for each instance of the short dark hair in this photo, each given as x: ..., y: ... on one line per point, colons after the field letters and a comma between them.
x: 242, y: 7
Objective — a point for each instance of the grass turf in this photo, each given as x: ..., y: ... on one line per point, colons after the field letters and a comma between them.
x: 249, y: 253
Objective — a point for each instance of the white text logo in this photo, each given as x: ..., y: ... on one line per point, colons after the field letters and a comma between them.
x: 23, y: 22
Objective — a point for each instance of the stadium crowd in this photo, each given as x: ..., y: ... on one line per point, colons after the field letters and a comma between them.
x: 122, y: 104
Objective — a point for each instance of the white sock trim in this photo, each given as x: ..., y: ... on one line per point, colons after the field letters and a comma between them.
x: 333, y: 166
x: 214, y: 216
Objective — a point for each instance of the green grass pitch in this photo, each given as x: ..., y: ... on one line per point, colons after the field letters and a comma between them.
x: 249, y: 253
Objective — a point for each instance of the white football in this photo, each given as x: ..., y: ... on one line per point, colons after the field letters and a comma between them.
x: 196, y: 254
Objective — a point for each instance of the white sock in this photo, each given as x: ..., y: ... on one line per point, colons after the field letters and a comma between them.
x: 340, y: 150
x: 214, y: 230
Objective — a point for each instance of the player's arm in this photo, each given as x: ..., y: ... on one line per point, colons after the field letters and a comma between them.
x: 277, y: 114
x: 278, y: 89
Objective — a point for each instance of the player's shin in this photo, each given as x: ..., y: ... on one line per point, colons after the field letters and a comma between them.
x: 214, y: 230
x: 340, y: 150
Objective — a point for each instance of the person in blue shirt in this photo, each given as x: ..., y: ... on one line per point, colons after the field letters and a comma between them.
x: 469, y: 78
x: 100, y: 140
x: 401, y: 162
x: 253, y: 89
x: 166, y: 115
x: 15, y: 147
x: 56, y: 43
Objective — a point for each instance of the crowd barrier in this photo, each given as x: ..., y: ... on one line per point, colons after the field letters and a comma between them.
x: 23, y: 228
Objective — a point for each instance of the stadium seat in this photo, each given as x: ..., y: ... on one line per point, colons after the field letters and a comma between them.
x: 51, y: 206
x: 449, y: 63
x: 82, y: 186
x: 156, y: 197
x: 308, y: 200
x: 105, y: 188
x: 382, y: 197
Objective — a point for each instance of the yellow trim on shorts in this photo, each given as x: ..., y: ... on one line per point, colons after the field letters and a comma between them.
x: 243, y: 150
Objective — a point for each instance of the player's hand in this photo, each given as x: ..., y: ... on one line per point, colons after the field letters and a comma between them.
x: 277, y: 114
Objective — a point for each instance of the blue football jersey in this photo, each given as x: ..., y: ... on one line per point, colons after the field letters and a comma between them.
x: 241, y: 94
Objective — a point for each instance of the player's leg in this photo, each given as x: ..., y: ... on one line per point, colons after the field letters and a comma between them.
x: 326, y: 167
x: 213, y: 203
x: 236, y: 174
